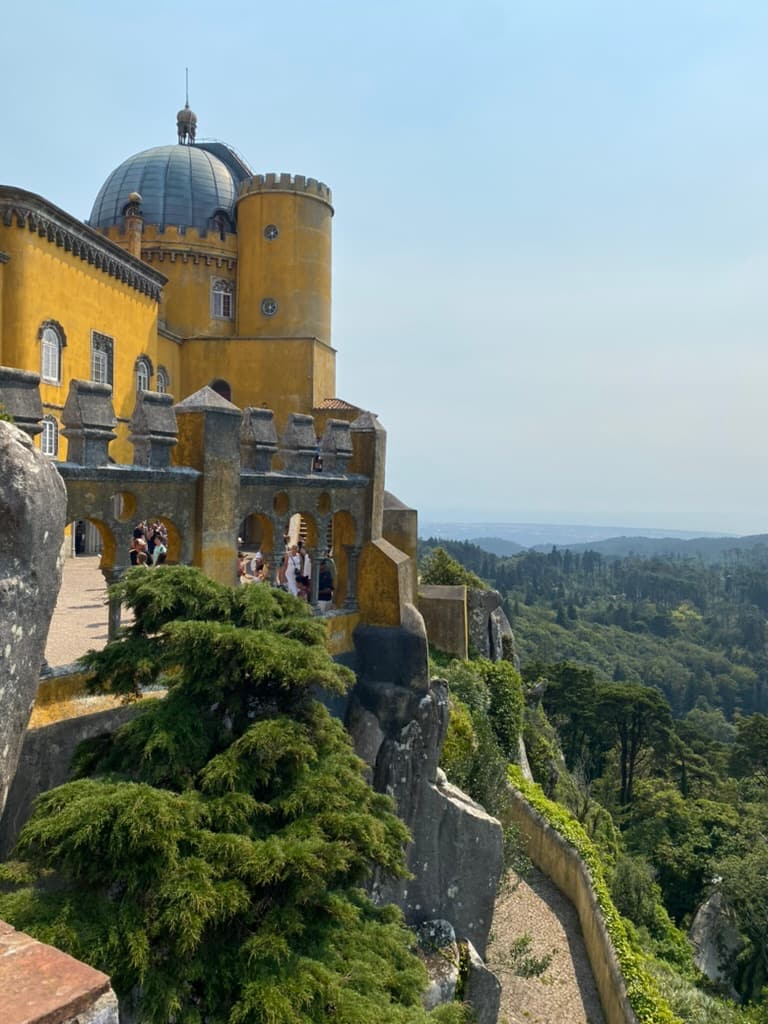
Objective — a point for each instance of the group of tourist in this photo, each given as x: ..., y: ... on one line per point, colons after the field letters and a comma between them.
x: 149, y: 545
x: 294, y: 573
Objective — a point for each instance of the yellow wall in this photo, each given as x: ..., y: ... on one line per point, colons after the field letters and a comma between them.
x: 294, y: 268
x: 191, y: 262
x: 44, y: 282
x: 281, y: 373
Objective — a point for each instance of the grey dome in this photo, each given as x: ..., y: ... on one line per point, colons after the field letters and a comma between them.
x: 182, y: 186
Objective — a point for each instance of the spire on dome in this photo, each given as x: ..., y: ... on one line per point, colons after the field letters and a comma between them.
x: 186, y: 121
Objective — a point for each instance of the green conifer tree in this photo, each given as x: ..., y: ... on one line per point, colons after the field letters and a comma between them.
x: 210, y: 856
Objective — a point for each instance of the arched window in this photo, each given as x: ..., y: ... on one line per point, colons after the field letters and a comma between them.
x: 143, y: 373
x: 221, y: 387
x: 49, y: 439
x: 162, y: 381
x: 52, y: 341
x: 222, y: 293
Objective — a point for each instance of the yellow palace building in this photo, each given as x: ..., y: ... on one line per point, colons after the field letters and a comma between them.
x: 190, y: 270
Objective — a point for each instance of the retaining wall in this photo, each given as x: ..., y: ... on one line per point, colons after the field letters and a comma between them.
x: 559, y: 861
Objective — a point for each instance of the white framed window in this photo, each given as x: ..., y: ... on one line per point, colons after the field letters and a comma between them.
x: 143, y: 371
x: 102, y: 357
x: 162, y: 381
x: 52, y: 341
x: 49, y: 439
x: 222, y: 295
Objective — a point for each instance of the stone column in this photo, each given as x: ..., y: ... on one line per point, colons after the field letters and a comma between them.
x: 315, y: 560
x: 369, y: 440
x: 114, y: 608
x: 209, y: 441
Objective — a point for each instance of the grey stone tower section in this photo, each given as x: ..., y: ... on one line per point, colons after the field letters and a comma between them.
x: 33, y: 505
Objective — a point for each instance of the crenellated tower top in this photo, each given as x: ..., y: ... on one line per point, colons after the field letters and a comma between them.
x: 296, y: 184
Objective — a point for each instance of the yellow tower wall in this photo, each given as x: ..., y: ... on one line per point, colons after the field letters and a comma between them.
x: 293, y: 268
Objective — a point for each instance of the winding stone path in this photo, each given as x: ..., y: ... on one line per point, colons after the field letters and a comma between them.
x: 566, y: 992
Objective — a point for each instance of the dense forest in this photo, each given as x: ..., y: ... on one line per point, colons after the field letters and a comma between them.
x: 645, y: 717
x: 693, y: 630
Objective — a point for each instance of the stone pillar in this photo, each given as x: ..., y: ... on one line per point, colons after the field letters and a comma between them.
x: 153, y: 430
x: 369, y: 441
x: 336, y: 447
x: 89, y: 418
x: 258, y: 439
x: 114, y: 608
x: 209, y: 441
x: 134, y: 227
x: 315, y: 561
x: 299, y: 444
x: 20, y: 398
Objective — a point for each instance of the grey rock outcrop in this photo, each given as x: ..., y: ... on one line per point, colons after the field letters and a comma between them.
x: 488, y: 626
x: 33, y: 506
x: 439, y: 951
x: 398, y: 720
x: 716, y: 941
x: 482, y: 989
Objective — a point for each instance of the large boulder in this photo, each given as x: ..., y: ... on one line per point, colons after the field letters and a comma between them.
x: 33, y: 504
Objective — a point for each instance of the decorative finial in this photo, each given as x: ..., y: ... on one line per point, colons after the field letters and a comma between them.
x: 186, y: 119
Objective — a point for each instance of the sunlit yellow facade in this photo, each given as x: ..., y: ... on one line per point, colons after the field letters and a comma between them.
x: 240, y: 300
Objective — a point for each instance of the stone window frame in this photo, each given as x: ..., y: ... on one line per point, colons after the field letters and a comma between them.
x: 162, y: 381
x: 52, y: 340
x: 49, y: 439
x: 222, y: 299
x: 102, y: 358
x: 143, y: 372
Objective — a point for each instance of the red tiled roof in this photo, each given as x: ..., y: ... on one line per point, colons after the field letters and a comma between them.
x: 337, y: 403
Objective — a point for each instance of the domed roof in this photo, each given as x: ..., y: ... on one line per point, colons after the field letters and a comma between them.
x: 179, y: 186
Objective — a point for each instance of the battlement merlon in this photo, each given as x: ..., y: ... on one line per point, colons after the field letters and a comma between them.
x: 170, y: 234
x: 297, y: 184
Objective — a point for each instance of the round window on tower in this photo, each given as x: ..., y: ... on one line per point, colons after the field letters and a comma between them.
x: 269, y: 307
x: 271, y: 231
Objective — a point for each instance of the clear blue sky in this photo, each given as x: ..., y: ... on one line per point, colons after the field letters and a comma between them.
x: 551, y: 237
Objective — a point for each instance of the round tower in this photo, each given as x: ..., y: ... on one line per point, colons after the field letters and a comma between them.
x: 284, y: 257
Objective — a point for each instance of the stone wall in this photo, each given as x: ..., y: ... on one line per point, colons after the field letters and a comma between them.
x: 445, y: 613
x: 560, y: 862
x: 45, y: 761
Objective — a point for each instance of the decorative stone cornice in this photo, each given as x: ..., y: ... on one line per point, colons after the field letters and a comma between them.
x: 31, y: 211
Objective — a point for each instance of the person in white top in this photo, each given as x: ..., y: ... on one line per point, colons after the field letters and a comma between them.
x: 292, y: 569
